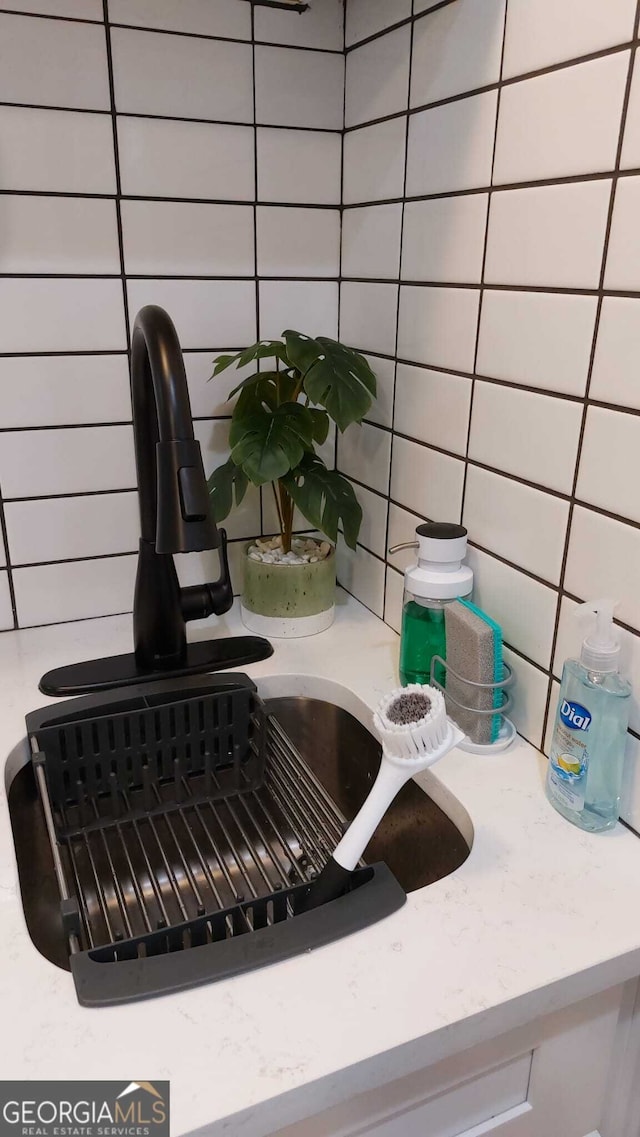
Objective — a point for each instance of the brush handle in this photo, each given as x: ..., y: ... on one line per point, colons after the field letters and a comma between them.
x: 389, y: 781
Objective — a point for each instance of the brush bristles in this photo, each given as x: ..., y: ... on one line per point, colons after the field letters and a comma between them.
x: 411, y: 721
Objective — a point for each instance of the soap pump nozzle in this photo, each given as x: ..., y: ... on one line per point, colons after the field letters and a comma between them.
x: 601, y: 647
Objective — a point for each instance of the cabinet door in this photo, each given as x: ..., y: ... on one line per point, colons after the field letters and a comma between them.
x: 546, y: 1079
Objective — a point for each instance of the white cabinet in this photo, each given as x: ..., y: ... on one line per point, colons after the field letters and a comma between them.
x: 546, y: 1079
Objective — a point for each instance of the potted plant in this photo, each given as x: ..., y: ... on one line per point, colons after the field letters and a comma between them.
x: 281, y: 415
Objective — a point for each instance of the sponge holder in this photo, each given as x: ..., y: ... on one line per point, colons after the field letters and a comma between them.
x: 507, y: 729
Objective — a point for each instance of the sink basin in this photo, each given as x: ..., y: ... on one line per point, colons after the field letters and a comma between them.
x: 416, y: 839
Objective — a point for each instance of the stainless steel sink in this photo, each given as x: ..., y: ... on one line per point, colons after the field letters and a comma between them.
x: 416, y: 839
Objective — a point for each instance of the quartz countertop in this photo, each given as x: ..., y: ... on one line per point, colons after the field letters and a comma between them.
x: 539, y: 916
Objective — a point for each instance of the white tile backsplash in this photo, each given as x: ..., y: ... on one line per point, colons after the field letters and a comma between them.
x: 443, y: 239
x: 187, y: 239
x: 61, y: 315
x: 603, y: 561
x: 41, y: 463
x: 433, y: 406
x: 622, y: 271
x: 205, y: 312
x: 364, y: 453
x: 367, y: 17
x: 299, y: 88
x: 60, y: 390
x: 309, y: 306
x: 617, y: 358
x: 371, y: 241
x: 563, y: 123
x: 316, y: 158
x: 426, y: 481
x: 374, y: 161
x: 74, y: 9
x: 70, y: 528
x: 610, y: 462
x: 6, y: 611
x: 548, y: 236
x: 207, y: 160
x: 539, y: 339
x: 532, y: 436
x: 457, y: 48
x: 384, y: 370
x: 461, y: 133
x: 368, y: 316
x: 200, y: 17
x: 77, y: 590
x: 322, y: 26
x: 58, y: 235
x: 363, y: 575
x: 56, y: 151
x: 525, y: 526
x: 544, y: 32
x: 373, y: 530
x: 524, y: 608
x: 183, y: 76
x: 53, y: 63
x: 298, y: 242
x: 377, y: 77
x: 438, y: 326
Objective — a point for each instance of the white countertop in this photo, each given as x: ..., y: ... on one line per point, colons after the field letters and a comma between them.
x: 539, y: 916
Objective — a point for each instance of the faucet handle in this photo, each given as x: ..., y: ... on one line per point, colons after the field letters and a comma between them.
x: 201, y: 600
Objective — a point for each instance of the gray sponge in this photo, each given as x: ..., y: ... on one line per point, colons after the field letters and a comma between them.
x: 474, y: 651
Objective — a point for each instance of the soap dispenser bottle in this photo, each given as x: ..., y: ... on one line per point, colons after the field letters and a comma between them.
x: 437, y: 578
x: 584, y: 774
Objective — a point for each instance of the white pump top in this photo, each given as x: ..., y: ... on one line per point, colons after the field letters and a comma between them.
x: 439, y: 573
x: 601, y: 648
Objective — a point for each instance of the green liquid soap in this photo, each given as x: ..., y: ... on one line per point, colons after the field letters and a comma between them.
x: 423, y: 636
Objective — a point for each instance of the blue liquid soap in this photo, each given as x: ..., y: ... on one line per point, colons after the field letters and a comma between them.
x: 584, y: 776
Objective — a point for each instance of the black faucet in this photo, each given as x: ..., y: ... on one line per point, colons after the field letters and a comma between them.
x: 175, y: 517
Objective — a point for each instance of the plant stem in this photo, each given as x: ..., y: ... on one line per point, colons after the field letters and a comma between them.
x: 286, y: 507
x: 280, y: 519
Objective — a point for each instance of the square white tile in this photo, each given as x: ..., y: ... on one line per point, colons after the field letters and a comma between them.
x: 455, y: 49
x: 510, y: 519
x: 603, y: 561
x: 461, y: 134
x: 630, y: 157
x: 188, y: 239
x: 425, y: 481
x: 299, y: 88
x: 75, y: 9
x: 402, y: 527
x: 322, y: 26
x: 443, y: 239
x: 309, y: 306
x: 207, y: 160
x: 371, y: 241
x: 571, y: 633
x: 59, y: 390
x: 529, y: 698
x: 548, y: 236
x: 438, y: 326
x: 201, y: 17
x: 61, y: 315
x: 566, y: 122
x: 364, y: 453
x: 624, y: 240
x: 368, y: 316
x: 433, y: 407
x: 58, y: 235
x: 394, y: 590
x: 524, y: 608
x: 362, y: 575
x: 373, y: 530
x: 68, y: 528
x: 53, y: 63
x: 298, y: 242
x: 183, y: 76
x: 532, y: 436
x: 617, y: 358
x: 79, y: 590
x: 374, y: 162
x: 205, y: 312
x: 377, y: 77
x: 366, y: 17
x: 540, y: 339
x: 36, y: 463
x: 316, y: 157
x: 56, y: 151
x: 543, y: 33
x: 610, y: 462
x: 384, y: 370
x: 6, y: 613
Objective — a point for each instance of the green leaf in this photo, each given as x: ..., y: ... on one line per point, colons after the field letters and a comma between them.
x: 253, y: 380
x: 320, y: 425
x: 224, y: 483
x: 267, y: 445
x: 325, y: 498
x: 335, y: 376
x: 264, y: 349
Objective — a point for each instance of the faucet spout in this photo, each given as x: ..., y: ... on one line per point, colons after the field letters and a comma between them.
x: 175, y: 515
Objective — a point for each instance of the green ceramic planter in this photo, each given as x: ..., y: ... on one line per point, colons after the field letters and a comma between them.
x: 289, y: 600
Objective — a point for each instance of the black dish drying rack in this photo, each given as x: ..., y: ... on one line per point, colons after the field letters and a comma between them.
x: 183, y: 825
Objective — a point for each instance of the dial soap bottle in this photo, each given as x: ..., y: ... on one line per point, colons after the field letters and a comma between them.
x: 584, y: 774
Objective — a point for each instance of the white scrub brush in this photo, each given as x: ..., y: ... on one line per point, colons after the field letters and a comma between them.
x: 415, y: 732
